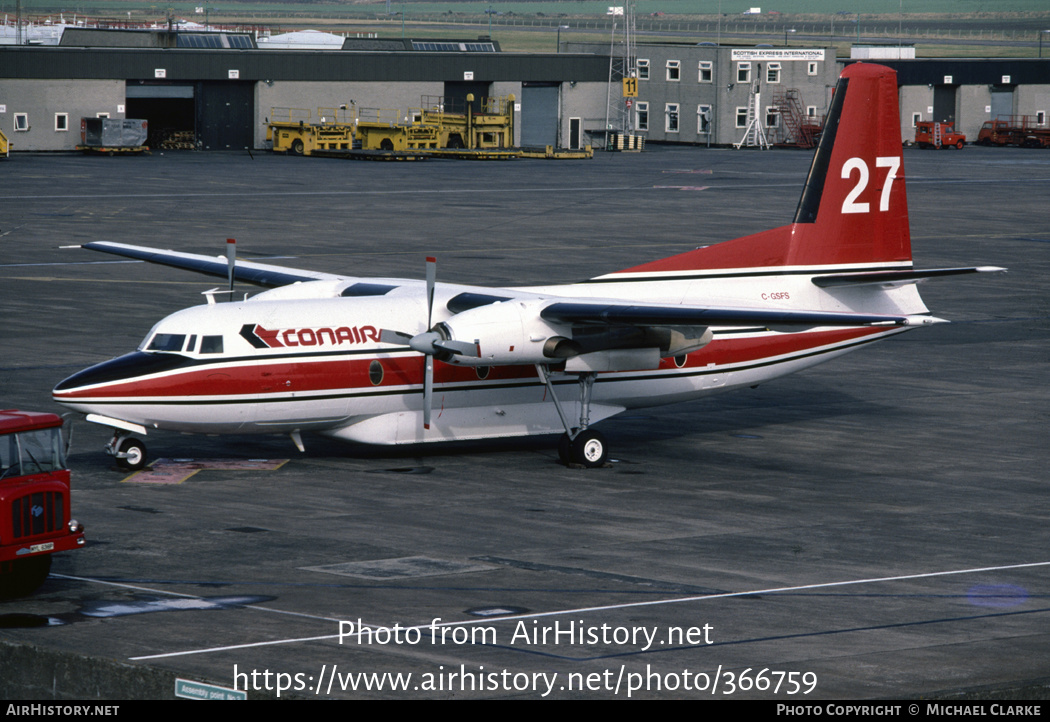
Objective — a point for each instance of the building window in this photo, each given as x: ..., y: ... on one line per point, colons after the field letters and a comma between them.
x: 772, y: 117
x: 21, y: 122
x: 811, y: 111
x: 1040, y: 117
x: 674, y: 71
x: 772, y: 72
x: 707, y: 71
x: 671, y: 110
x: 741, y: 116
x: 101, y: 115
x: 915, y: 118
x: 61, y: 121
x: 743, y: 72
x: 812, y: 68
x: 703, y: 119
x: 643, y: 69
x: 641, y: 116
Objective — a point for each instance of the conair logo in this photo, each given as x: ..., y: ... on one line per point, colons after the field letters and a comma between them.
x: 260, y: 337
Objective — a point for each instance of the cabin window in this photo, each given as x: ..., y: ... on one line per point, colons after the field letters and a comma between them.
x: 211, y: 344
x: 375, y: 372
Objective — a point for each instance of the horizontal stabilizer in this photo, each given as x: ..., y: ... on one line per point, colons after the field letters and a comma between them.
x: 890, y: 279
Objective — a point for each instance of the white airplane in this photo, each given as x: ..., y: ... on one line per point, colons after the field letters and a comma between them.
x: 401, y: 361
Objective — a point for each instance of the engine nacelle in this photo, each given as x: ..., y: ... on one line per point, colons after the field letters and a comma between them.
x: 507, y: 333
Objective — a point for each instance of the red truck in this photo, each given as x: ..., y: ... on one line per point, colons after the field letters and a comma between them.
x: 930, y: 134
x: 34, y: 500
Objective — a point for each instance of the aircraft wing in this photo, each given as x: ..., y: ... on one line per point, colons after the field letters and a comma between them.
x: 608, y: 314
x: 259, y: 274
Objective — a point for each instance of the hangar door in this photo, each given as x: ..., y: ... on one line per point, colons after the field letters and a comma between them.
x: 539, y: 114
x: 1002, y: 101
x: 224, y: 115
x: 168, y: 108
x: 944, y: 103
x: 206, y: 115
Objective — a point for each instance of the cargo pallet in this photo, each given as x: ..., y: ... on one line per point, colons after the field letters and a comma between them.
x: 113, y: 150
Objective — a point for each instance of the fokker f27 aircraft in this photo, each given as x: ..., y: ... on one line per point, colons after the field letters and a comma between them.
x: 399, y: 361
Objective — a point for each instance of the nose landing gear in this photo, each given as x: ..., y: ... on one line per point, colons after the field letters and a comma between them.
x: 129, y: 452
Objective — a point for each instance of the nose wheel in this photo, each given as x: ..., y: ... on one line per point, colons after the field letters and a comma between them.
x: 127, y: 451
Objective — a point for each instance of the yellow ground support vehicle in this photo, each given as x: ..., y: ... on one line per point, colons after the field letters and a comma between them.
x: 438, y: 123
x: 292, y: 130
x: 441, y: 126
x: 5, y: 147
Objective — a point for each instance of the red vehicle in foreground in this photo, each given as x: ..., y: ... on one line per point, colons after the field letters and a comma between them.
x: 34, y: 500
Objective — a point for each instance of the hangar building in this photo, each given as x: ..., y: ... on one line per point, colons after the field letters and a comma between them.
x: 220, y: 87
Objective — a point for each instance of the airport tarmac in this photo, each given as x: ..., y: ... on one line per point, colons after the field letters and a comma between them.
x: 873, y: 528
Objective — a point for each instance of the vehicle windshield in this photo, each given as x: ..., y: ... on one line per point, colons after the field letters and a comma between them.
x: 31, y: 452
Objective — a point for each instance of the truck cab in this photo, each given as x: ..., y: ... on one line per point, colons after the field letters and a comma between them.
x: 35, y: 517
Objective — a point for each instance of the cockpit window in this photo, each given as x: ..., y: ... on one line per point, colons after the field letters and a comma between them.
x: 171, y: 342
x: 211, y: 344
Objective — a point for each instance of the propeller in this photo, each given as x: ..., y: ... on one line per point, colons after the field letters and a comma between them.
x: 231, y: 261
x: 430, y: 343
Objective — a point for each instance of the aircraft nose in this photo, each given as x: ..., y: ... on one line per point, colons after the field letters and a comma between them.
x: 120, y: 369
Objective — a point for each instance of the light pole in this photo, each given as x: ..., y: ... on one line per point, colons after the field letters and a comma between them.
x: 1041, y: 33
x: 786, y: 31
x: 560, y: 28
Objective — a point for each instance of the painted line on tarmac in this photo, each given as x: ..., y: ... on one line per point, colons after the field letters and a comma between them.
x: 604, y: 608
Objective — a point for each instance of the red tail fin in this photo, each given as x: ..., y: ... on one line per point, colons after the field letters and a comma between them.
x: 853, y: 210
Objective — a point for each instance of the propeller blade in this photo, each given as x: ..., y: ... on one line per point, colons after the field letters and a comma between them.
x: 231, y: 261
x: 428, y: 389
x: 431, y: 280
x: 460, y: 348
x: 395, y: 337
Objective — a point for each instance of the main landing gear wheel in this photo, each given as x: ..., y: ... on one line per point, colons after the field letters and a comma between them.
x: 131, y: 455
x: 589, y: 449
